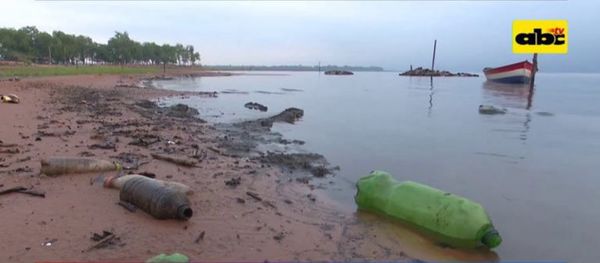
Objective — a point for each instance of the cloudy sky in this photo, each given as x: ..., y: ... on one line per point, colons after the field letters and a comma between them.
x: 392, y: 34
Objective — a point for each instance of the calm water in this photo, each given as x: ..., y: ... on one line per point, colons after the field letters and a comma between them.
x: 536, y: 171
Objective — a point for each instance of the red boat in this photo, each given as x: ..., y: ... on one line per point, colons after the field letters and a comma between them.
x: 517, y: 73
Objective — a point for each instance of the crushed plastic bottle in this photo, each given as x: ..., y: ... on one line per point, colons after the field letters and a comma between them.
x: 454, y: 220
x: 66, y: 165
x: 117, y: 182
x: 156, y: 199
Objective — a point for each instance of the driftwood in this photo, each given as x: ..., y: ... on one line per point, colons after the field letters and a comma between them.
x: 254, y: 195
x: 175, y: 160
x: 23, y: 190
x: 105, y: 241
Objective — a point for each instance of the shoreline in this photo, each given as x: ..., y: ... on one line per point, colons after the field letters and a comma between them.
x: 95, y: 115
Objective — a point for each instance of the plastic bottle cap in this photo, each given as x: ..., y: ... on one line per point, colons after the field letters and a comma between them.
x: 491, y: 239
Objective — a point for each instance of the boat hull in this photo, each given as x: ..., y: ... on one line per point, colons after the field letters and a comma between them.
x: 518, y: 73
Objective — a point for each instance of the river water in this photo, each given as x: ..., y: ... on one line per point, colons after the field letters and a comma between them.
x: 535, y: 168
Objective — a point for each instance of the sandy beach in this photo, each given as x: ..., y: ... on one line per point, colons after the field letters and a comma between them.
x: 265, y: 217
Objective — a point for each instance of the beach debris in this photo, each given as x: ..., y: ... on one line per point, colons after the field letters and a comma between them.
x: 173, y: 159
x: 66, y: 165
x: 256, y: 106
x: 491, y: 110
x: 233, y: 182
x: 172, y: 258
x: 104, y: 240
x: 314, y: 163
x: 23, y: 190
x: 50, y: 242
x: 145, y: 140
x: 254, y: 195
x: 426, y: 208
x: 155, y: 198
x: 10, y: 98
x: 200, y: 237
x: 107, y: 144
x: 130, y: 161
x: 3, y: 145
x: 118, y: 181
x: 11, y: 151
x: 279, y: 236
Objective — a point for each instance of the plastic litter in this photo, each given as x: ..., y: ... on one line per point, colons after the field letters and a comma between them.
x: 66, y: 165
x: 10, y: 98
x: 454, y: 220
x: 117, y: 182
x: 156, y: 199
x: 173, y: 258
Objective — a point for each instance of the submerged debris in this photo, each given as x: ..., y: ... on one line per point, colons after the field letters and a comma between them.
x: 491, y: 110
x: 256, y: 106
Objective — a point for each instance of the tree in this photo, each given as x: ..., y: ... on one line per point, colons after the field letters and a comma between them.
x: 28, y: 44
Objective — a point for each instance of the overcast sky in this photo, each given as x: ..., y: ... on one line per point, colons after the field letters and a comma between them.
x: 391, y: 34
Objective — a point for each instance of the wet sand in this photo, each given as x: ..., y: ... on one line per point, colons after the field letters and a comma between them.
x: 97, y: 116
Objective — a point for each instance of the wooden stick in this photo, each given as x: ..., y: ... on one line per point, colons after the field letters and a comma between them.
x: 12, y: 190
x: 433, y: 60
x: 23, y: 190
x: 175, y: 160
x: 254, y: 195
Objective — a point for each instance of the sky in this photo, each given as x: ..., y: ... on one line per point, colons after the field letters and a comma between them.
x: 471, y: 35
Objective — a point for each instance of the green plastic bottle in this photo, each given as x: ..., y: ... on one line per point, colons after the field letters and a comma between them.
x: 454, y: 220
x: 173, y: 258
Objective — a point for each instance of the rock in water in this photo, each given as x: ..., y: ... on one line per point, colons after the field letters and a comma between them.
x: 491, y: 110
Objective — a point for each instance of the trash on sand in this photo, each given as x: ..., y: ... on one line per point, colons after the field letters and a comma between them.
x: 118, y: 182
x: 48, y: 243
x: 10, y: 98
x: 176, y: 160
x: 233, y: 182
x: 23, y: 190
x: 104, y: 240
x: 490, y: 109
x: 155, y: 198
x: 454, y: 220
x: 65, y: 165
x: 173, y: 258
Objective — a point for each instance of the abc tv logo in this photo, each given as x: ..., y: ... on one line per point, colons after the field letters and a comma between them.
x: 540, y: 36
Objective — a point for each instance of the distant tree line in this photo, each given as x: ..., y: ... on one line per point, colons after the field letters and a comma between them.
x: 29, y: 45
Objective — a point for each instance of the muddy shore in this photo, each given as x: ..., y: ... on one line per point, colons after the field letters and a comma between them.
x: 245, y: 206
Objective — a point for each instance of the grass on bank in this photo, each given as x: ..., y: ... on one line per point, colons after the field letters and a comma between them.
x: 40, y: 71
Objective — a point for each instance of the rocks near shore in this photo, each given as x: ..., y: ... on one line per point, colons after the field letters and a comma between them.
x: 338, y: 72
x: 256, y: 106
x: 425, y: 72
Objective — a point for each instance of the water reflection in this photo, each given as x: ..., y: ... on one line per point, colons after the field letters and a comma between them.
x: 509, y: 95
x: 392, y: 233
x: 431, y: 92
x: 519, y: 96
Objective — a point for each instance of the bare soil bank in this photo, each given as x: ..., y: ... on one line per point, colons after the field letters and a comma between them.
x: 245, y: 208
